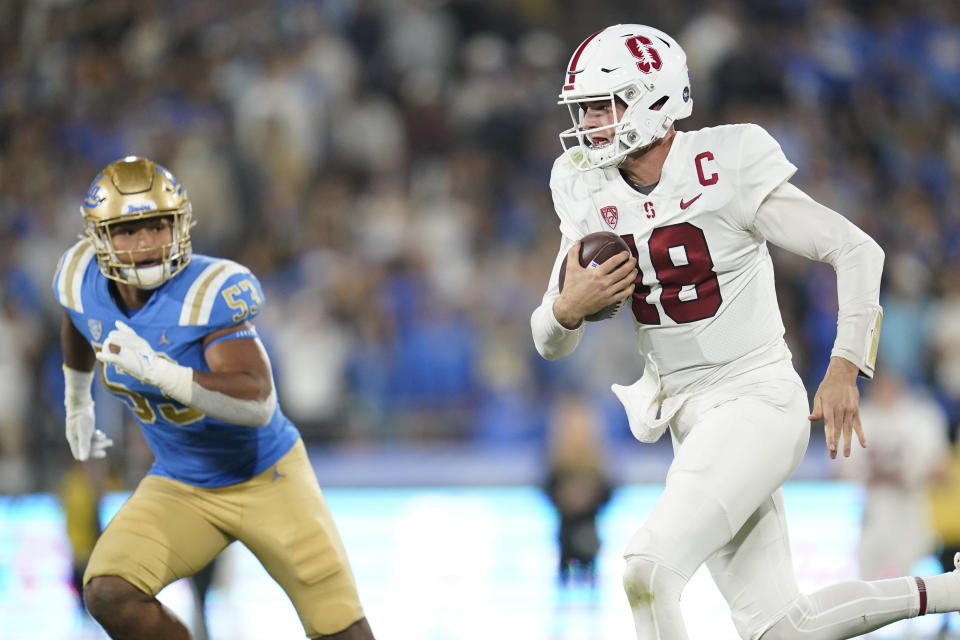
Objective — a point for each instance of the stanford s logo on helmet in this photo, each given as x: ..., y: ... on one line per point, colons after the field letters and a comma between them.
x: 134, y: 189
x: 646, y: 54
x: 641, y: 67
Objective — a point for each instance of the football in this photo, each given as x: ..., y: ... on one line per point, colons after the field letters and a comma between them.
x: 595, y: 249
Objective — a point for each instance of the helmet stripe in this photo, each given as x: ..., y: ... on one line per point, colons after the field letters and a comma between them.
x: 576, y: 58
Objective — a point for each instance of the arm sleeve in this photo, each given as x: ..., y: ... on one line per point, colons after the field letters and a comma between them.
x: 185, y: 390
x: 248, y: 413
x: 791, y: 219
x: 551, y: 338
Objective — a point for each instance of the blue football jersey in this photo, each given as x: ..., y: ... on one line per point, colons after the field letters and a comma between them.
x: 209, y: 294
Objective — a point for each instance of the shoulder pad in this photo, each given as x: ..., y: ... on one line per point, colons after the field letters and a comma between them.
x: 68, y: 279
x: 222, y: 294
x: 755, y: 134
x: 715, y: 135
x: 566, y: 179
x: 564, y: 167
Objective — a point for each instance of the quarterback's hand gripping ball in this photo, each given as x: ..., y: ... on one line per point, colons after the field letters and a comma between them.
x: 595, y: 249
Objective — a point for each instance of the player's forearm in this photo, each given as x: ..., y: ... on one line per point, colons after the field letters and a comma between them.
x: 77, y: 391
x: 234, y: 397
x: 556, y: 331
x: 791, y: 219
x: 77, y: 352
x: 249, y: 412
x: 551, y: 338
x: 842, y: 369
x: 566, y: 315
x: 239, y: 385
x: 859, y: 272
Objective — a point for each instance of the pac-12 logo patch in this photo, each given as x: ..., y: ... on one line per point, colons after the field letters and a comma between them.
x: 610, y: 216
x: 96, y: 328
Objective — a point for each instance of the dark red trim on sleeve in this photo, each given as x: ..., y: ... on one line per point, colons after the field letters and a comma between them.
x: 922, y: 587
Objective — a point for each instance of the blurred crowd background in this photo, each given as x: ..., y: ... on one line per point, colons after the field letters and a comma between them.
x: 382, y: 166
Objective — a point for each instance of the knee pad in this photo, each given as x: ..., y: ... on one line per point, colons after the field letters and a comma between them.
x: 645, y: 579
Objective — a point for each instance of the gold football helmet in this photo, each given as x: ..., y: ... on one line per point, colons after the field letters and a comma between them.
x: 131, y: 189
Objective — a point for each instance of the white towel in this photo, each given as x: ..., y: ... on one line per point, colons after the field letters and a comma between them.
x: 648, y: 412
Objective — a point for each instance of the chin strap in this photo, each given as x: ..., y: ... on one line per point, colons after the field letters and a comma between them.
x: 148, y: 278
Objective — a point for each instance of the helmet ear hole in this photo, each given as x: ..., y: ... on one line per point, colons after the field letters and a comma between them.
x: 656, y: 106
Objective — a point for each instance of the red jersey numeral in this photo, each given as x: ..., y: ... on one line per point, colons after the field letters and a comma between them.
x: 683, y: 265
x: 643, y: 311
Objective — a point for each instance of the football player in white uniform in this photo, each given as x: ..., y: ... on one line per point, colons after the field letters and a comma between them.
x: 697, y: 209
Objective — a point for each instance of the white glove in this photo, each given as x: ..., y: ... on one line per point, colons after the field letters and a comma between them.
x: 136, y: 358
x: 85, y: 441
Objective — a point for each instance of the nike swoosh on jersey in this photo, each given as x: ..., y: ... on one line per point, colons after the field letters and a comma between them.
x: 684, y: 205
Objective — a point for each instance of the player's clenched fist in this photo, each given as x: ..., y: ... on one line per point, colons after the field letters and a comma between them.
x: 134, y: 356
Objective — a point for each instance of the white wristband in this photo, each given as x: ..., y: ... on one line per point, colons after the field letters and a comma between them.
x: 175, y: 380
x: 76, y: 392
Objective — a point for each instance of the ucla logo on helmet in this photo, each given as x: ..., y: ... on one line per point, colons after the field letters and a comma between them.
x: 96, y: 328
x: 94, y: 198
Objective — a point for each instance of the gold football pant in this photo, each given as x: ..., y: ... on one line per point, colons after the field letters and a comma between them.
x: 169, y: 530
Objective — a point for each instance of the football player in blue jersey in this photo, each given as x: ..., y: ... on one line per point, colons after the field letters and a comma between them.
x: 173, y: 336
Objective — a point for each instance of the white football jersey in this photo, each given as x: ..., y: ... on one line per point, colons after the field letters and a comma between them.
x: 705, y: 296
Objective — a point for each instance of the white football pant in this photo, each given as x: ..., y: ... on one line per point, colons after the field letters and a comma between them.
x: 734, y: 446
